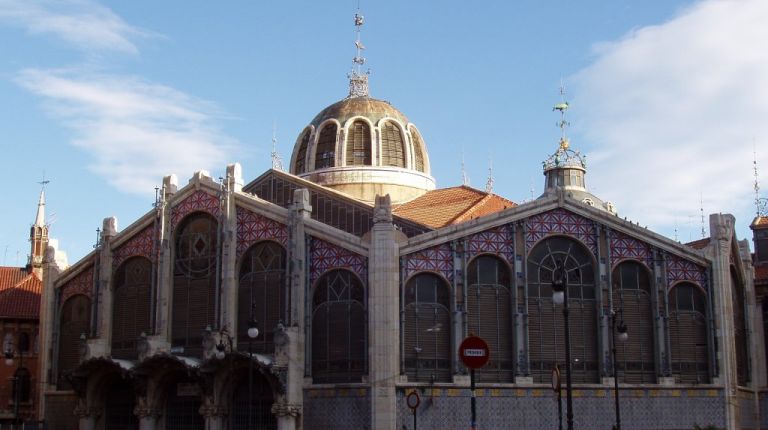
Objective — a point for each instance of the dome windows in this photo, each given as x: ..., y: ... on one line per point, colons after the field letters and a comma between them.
x: 418, y: 151
x: 392, y: 153
x: 326, y: 147
x: 301, y: 154
x: 359, y: 144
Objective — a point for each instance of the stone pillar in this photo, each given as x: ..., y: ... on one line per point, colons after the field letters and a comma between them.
x: 165, y: 265
x: 100, y: 346
x: 287, y: 414
x: 147, y: 415
x: 383, y: 317
x: 233, y: 185
x: 87, y: 415
x: 54, y: 263
x: 215, y: 414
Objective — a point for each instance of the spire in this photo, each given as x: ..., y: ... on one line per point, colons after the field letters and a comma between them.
x: 40, y: 217
x: 38, y: 234
x: 489, y: 183
x: 277, y: 161
x: 701, y: 209
x: 464, y: 177
x: 358, y: 81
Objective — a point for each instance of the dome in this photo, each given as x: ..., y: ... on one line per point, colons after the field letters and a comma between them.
x: 364, y: 147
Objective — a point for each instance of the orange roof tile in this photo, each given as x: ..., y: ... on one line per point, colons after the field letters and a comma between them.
x: 699, y: 244
x: 19, y: 293
x: 454, y: 205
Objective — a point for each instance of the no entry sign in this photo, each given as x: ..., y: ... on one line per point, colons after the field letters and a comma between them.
x: 474, y: 352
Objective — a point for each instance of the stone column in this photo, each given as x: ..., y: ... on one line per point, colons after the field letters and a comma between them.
x: 146, y: 414
x: 100, y: 346
x: 54, y: 263
x: 215, y: 414
x: 383, y: 317
x: 233, y: 185
x: 87, y: 415
x: 164, y: 266
x: 287, y: 415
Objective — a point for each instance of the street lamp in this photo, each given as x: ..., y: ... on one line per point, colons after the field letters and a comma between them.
x: 17, y: 378
x: 621, y: 329
x: 253, y: 333
x: 560, y: 296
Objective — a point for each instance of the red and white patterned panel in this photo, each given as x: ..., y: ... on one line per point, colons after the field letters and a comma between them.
x: 679, y: 269
x: 623, y: 247
x: 80, y: 284
x: 437, y: 259
x: 327, y: 256
x: 497, y: 241
x: 141, y: 244
x: 252, y: 227
x: 560, y: 221
x: 197, y: 201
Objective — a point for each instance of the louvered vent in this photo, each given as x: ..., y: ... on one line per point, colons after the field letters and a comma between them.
x: 75, y: 320
x: 632, y: 294
x: 418, y: 151
x: 301, y: 154
x: 392, y: 153
x: 131, y: 310
x: 359, y: 144
x: 326, y: 147
x: 261, y: 291
x: 688, y: 334
x: 427, y: 332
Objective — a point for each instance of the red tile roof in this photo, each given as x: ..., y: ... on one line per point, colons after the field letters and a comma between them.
x: 19, y: 293
x: 454, y: 205
x: 699, y: 244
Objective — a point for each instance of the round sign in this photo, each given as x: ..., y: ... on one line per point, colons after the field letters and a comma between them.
x: 474, y: 352
x: 412, y: 400
x: 555, y: 379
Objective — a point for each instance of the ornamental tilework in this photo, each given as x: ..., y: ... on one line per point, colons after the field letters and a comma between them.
x: 80, y: 284
x: 560, y: 221
x: 252, y: 227
x: 141, y: 244
x: 326, y: 256
x: 199, y: 200
x: 497, y: 241
x: 679, y: 269
x: 438, y: 259
x: 624, y: 247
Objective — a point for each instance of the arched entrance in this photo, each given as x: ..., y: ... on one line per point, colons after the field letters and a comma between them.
x: 119, y: 401
x: 182, y: 404
x: 251, y: 402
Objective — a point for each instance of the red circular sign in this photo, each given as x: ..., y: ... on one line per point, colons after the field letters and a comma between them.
x: 474, y: 352
x: 412, y: 400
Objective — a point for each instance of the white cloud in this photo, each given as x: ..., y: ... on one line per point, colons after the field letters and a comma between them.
x: 84, y: 24
x: 137, y: 131
x: 670, y: 112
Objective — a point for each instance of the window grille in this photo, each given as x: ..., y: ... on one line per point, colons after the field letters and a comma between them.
x: 326, y: 147
x: 75, y: 321
x: 418, y: 152
x: 301, y: 154
x: 339, y: 328
x: 194, y: 282
x: 688, y: 334
x: 359, y: 144
x: 182, y: 408
x: 489, y: 315
x: 392, y: 153
x: 260, y: 408
x: 261, y: 289
x: 131, y: 306
x: 427, y: 332
x: 740, y: 329
x: 119, y: 402
x: 545, y: 320
x: 632, y: 293
x: 21, y: 382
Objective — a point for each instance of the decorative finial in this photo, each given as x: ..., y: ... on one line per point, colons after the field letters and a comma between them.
x: 40, y: 216
x: 701, y: 209
x: 562, y: 124
x: 761, y: 204
x: 277, y: 161
x: 489, y: 183
x: 464, y: 177
x: 358, y: 81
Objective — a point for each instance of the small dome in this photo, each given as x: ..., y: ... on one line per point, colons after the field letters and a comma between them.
x: 364, y: 147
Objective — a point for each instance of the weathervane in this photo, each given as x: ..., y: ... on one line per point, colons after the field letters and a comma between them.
x: 562, y: 124
x: 277, y: 161
x: 358, y: 81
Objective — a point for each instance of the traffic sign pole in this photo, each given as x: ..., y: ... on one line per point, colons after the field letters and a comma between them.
x: 472, y: 389
x: 474, y: 353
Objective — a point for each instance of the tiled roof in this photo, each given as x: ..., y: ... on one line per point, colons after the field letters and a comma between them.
x: 454, y: 205
x: 760, y: 222
x: 699, y: 244
x: 19, y: 293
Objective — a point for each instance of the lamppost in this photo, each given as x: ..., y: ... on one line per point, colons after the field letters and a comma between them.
x: 560, y: 296
x: 253, y: 333
x: 621, y: 328
x: 17, y: 380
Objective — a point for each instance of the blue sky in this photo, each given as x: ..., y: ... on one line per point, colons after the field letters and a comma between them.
x: 668, y: 98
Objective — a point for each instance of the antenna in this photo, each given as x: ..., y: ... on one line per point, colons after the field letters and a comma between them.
x: 358, y: 81
x: 562, y: 124
x: 489, y: 183
x: 277, y: 161
x: 464, y: 177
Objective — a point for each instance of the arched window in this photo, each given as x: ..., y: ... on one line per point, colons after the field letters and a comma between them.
x: 131, y: 307
x: 338, y: 328
x: 359, y: 144
x: 392, y: 153
x: 194, y: 282
x: 489, y: 315
x: 301, y: 154
x: 23, y: 342
x: 545, y: 320
x: 75, y: 320
x: 688, y: 334
x: 740, y: 328
x: 632, y: 295
x: 427, y: 334
x: 418, y: 152
x: 21, y: 382
x: 261, y: 291
x: 326, y: 147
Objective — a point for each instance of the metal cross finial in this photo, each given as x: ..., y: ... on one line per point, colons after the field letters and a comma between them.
x: 358, y: 81
x: 464, y: 177
x: 562, y: 124
x: 701, y: 209
x: 277, y: 161
x: 44, y: 182
x: 489, y: 183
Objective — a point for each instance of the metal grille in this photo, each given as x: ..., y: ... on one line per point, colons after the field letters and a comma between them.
x: 418, y: 152
x: 427, y: 333
x: 21, y: 382
x: 688, y: 334
x: 182, y: 412
x: 740, y: 329
x: 194, y: 282
x: 301, y: 154
x: 359, y: 144
x: 489, y: 315
x: 632, y: 294
x: 392, y: 145
x: 75, y: 320
x: 326, y: 147
x: 545, y: 320
x: 262, y: 289
x: 118, y: 407
x: 338, y: 328
x: 131, y: 310
x: 255, y: 405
